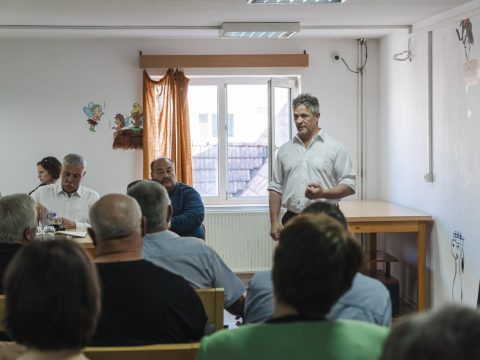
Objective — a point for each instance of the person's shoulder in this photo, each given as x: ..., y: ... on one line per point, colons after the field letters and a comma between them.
x: 233, y: 336
x: 260, y: 278
x: 88, y: 191
x: 361, y: 328
x: 47, y: 189
x: 184, y: 188
x: 367, y: 283
x: 287, y: 145
x: 196, y: 243
x: 331, y: 141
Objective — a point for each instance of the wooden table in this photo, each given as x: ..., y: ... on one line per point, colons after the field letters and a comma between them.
x: 84, y: 242
x: 372, y: 217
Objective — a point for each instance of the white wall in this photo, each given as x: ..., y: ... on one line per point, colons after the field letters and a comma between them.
x: 454, y: 194
x: 46, y: 82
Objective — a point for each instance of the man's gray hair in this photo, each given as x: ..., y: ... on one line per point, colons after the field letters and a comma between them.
x: 115, y: 216
x: 17, y: 212
x: 75, y: 159
x: 153, y: 200
x: 309, y: 101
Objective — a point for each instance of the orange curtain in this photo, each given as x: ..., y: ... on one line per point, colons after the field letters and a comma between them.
x: 166, y: 129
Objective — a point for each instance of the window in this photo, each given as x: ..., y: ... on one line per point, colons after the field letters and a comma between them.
x: 237, y: 125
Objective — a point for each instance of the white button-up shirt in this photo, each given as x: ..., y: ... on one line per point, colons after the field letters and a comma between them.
x: 74, y: 207
x: 325, y: 162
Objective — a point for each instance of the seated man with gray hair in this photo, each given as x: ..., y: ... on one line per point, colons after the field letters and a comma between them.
x: 189, y: 257
x: 69, y: 200
x: 18, y: 225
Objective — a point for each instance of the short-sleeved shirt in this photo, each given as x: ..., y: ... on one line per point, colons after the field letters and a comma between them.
x: 325, y: 161
x: 74, y: 207
x: 197, y: 262
x: 144, y: 304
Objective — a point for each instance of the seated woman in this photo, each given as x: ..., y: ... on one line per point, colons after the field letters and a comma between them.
x: 313, y: 265
x: 48, y: 170
x: 52, y: 300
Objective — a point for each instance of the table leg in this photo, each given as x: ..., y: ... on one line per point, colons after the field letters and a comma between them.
x: 372, y: 247
x: 421, y: 266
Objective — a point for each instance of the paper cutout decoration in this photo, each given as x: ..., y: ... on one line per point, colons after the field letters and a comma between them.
x: 470, y: 73
x: 128, y: 129
x: 465, y: 35
x: 94, y: 112
x: 458, y: 255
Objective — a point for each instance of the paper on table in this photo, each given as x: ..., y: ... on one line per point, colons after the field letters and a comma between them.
x: 73, y: 233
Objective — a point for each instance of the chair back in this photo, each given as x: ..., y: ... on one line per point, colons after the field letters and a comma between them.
x: 2, y: 313
x: 185, y: 351
x: 213, y: 303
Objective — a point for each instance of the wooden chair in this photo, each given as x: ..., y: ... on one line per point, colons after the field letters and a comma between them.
x: 2, y: 313
x: 212, y: 300
x: 186, y: 351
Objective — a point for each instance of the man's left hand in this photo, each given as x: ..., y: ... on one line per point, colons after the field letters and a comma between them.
x: 314, y: 191
x: 68, y: 224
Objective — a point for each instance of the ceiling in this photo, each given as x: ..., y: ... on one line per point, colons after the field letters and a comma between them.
x: 201, y: 19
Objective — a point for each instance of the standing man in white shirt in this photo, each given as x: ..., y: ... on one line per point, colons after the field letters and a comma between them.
x: 312, y: 166
x: 68, y: 199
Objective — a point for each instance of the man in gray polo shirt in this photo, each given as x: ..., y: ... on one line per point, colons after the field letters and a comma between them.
x: 189, y: 257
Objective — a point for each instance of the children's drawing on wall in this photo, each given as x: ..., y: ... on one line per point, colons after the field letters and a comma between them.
x: 458, y: 255
x: 94, y: 112
x: 465, y: 36
x: 128, y: 132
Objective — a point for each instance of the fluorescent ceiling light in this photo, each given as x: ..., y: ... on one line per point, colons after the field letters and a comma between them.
x: 294, y: 1
x: 257, y: 30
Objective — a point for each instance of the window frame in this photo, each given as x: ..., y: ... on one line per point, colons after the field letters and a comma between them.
x: 288, y: 81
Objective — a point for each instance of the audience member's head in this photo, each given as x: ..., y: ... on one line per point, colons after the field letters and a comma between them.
x: 48, y: 170
x: 73, y: 170
x: 18, y: 218
x: 116, y: 219
x: 450, y: 333
x: 52, y: 296
x: 314, y: 264
x: 163, y: 170
x: 154, y: 202
x: 323, y: 207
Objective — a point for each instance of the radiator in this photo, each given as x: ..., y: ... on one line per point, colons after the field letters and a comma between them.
x: 241, y: 238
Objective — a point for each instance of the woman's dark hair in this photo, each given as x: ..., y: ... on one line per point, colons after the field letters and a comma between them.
x: 52, y: 296
x: 314, y: 264
x: 52, y: 166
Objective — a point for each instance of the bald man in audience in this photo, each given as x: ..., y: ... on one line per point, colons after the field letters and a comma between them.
x: 142, y: 303
x: 189, y: 257
x: 18, y: 225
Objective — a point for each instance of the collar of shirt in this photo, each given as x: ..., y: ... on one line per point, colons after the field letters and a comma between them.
x: 59, y: 190
x: 320, y: 137
x: 163, y: 234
